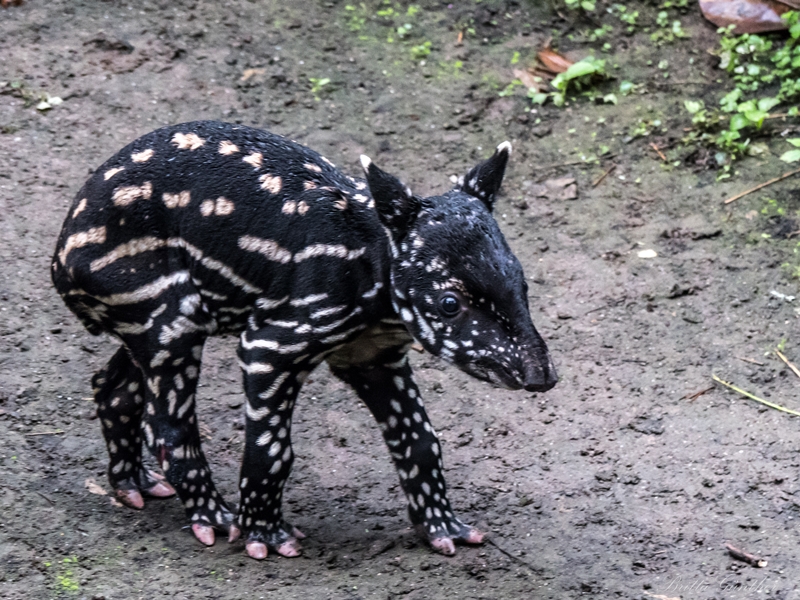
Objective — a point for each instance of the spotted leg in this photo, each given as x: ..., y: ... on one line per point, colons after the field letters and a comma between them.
x: 389, y: 391
x: 272, y: 382
x: 119, y: 394
x: 171, y: 431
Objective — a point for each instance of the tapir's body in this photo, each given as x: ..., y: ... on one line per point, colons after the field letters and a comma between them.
x: 207, y: 227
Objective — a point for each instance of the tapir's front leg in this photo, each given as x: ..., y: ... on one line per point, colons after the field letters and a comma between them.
x: 272, y: 381
x: 389, y: 391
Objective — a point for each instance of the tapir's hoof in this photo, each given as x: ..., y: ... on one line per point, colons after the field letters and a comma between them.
x: 204, y: 533
x: 257, y: 550
x: 447, y: 545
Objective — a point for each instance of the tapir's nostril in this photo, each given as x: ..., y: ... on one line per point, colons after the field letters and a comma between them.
x: 543, y: 380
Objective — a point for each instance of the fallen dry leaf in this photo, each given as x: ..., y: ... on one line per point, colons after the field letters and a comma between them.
x: 94, y: 488
x: 248, y: 73
x: 553, y: 61
x: 528, y: 79
x: 749, y: 16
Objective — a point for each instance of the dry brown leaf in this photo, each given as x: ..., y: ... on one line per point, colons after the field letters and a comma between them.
x: 94, y: 488
x: 527, y: 78
x: 553, y: 61
x: 749, y: 16
x: 248, y: 73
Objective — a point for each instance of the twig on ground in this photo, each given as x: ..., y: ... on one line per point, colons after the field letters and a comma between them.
x: 761, y: 185
x: 750, y: 559
x: 511, y: 556
x: 56, y: 432
x: 658, y: 151
x: 575, y: 162
x: 750, y: 360
x: 45, y: 497
x: 671, y: 83
x: 696, y: 395
x: 604, y: 175
x: 788, y: 364
x: 756, y: 398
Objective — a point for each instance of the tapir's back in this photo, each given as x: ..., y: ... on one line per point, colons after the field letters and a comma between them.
x: 236, y: 205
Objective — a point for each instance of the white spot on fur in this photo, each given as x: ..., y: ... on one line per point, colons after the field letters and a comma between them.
x: 271, y: 183
x: 187, y: 141
x: 143, y: 156
x: 123, y: 196
x: 80, y: 208
x: 254, y: 159
x: 268, y: 248
x: 95, y: 235
x: 111, y: 172
x: 179, y: 200
x: 227, y: 147
x: 334, y: 250
x: 256, y: 368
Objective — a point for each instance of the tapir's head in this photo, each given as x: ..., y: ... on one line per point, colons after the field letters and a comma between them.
x: 455, y: 282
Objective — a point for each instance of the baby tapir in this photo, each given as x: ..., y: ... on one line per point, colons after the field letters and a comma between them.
x: 206, y: 228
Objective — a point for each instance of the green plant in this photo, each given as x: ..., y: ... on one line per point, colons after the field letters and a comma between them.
x: 422, y: 51
x: 753, y: 62
x: 791, y: 156
x: 587, y: 5
x: 579, y: 77
x: 317, y: 85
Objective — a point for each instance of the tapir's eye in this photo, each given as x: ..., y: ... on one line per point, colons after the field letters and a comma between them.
x: 449, y: 305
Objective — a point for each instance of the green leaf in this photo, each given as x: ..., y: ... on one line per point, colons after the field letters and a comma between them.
x: 766, y: 104
x: 738, y: 121
x: 791, y: 156
x: 626, y: 87
x: 693, y: 106
x: 610, y: 98
x: 538, y: 97
x: 579, y: 69
x: 794, y: 142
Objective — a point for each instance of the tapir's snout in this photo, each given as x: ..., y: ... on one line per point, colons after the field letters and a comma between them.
x: 540, y: 377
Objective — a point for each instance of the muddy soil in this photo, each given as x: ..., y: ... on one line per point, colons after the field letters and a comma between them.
x: 621, y: 482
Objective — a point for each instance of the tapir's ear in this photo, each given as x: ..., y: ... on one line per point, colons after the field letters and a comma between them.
x: 484, y: 181
x: 396, y: 206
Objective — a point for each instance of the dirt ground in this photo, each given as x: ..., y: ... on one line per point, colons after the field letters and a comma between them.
x: 616, y: 484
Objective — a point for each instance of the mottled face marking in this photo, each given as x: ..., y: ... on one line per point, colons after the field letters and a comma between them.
x: 456, y: 284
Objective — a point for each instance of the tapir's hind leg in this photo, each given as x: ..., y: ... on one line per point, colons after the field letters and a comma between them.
x: 119, y: 394
x: 170, y: 363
